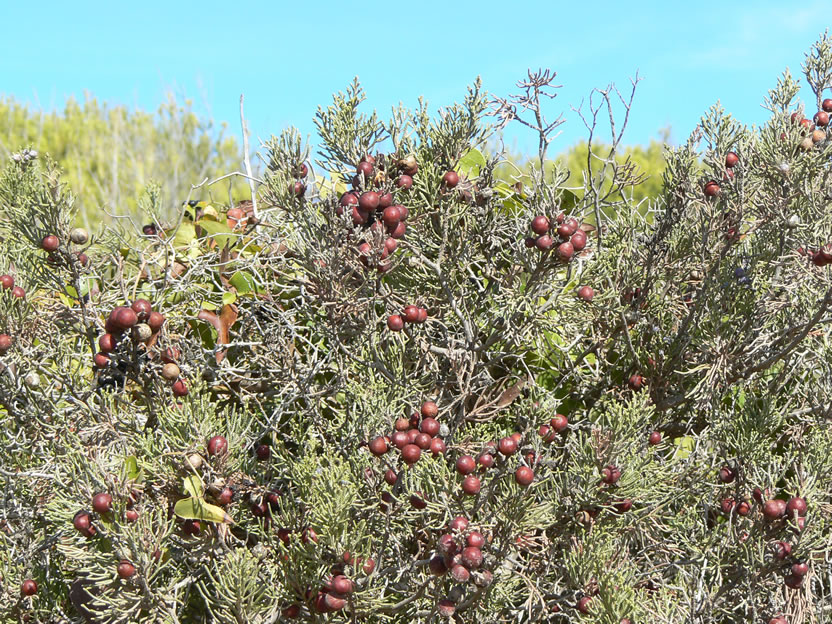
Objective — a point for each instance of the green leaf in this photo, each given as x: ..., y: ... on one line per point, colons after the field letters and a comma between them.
x: 131, y: 467
x: 197, y: 509
x: 471, y: 164
x: 219, y: 231
x: 228, y: 298
x: 193, y: 486
x: 685, y: 446
x: 243, y: 282
x: 185, y: 234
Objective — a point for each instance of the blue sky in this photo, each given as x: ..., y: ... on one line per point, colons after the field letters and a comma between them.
x: 288, y: 57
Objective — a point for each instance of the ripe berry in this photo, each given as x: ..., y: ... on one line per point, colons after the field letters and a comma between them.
x: 636, y: 382
x: 29, y: 587
x: 429, y: 426
x: 726, y: 474
x: 623, y: 506
x: 142, y: 308
x: 459, y: 523
x: 826, y: 105
x: 507, y: 446
x: 398, y: 231
x: 217, y: 445
x: 404, y: 182
x: 655, y: 438
x: 364, y: 168
x: 417, y: 500
x: 782, y: 549
x: 6, y: 281
x: 460, y: 573
x: 446, y: 608
x: 559, y: 423
x: 437, y: 566
x: 437, y: 447
x: 778, y: 620
x: 800, y: 569
x: 547, y: 433
x: 450, y: 179
x: 774, y: 508
x: 429, y: 409
x: 395, y: 322
x: 50, y: 243
x: 524, y: 476
x: 822, y: 118
x: 578, y: 240
x: 540, y: 225
x: 465, y: 464
x: 793, y: 582
x: 391, y: 216
x: 411, y: 454
x: 18, y: 292
x: 471, y: 557
x: 411, y: 314
x: 584, y: 604
x: 125, y: 318
x: 471, y: 485
x: 486, y: 460
x: 179, y: 386
x: 712, y: 189
x: 101, y: 360
x: 342, y: 585
x: 263, y: 452
x: 610, y: 474
x: 544, y: 243
x: 565, y: 230
x: 566, y: 251
x: 155, y: 321
x: 731, y: 159
x: 796, y: 505
x: 5, y: 343
x: 107, y: 343
x: 102, y: 503
x: 368, y: 201
x: 586, y: 293
x: 727, y: 505
x: 390, y: 477
x: 378, y: 446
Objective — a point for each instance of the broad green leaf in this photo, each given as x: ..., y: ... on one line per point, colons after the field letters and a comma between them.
x: 185, y: 234
x: 131, y: 467
x: 243, y: 282
x: 228, y: 298
x: 685, y: 446
x: 471, y: 164
x: 197, y: 509
x: 193, y: 486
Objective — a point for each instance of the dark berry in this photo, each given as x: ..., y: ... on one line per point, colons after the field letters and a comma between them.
x: 540, y: 225
x: 471, y: 485
x: 465, y: 464
x: 524, y: 476
x: 102, y: 503
x: 217, y: 445
x: 263, y: 452
x: 50, y: 243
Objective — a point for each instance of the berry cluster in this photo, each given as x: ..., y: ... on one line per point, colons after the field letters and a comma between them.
x: 412, y: 436
x: 58, y: 257
x: 572, y: 237
x: 298, y: 187
x: 412, y: 314
x: 7, y: 283
x: 822, y: 256
x: 814, y: 132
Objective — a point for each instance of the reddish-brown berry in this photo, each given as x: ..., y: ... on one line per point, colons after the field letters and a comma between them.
x: 217, y: 445
x: 126, y: 569
x: 524, y: 476
x: 471, y: 485
x: 29, y: 588
x: 102, y: 503
x: 50, y: 243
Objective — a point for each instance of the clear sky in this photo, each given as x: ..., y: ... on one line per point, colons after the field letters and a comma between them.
x: 288, y: 57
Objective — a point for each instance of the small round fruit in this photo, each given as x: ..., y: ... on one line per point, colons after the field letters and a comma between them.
x: 779, y: 619
x: 635, y: 382
x: 155, y: 320
x: 29, y: 588
x: 5, y: 343
x: 366, y: 169
x: 125, y: 318
x: 774, y: 508
x: 342, y: 585
x: 6, y: 281
x: 544, y: 243
x: 586, y: 293
x: 263, y: 452
x: 83, y: 523
x: 107, y: 343
x: 79, y: 236
x: 191, y: 527
x: 18, y: 292
x: 429, y: 409
x: 540, y: 225
x: 102, y: 503
x: 465, y: 464
x: 822, y: 118
x: 417, y: 500
x: 390, y: 477
x: 142, y: 308
x: 731, y: 159
x: 485, y: 460
x: 471, y: 557
x: 50, y: 243
x: 566, y: 251
x: 655, y: 438
x: 826, y: 105
x: 399, y: 231
x: 217, y: 445
x: 507, y: 446
x: 559, y: 423
x: 578, y: 240
x: 524, y: 476
x: 818, y: 136
x: 712, y: 189
x: 429, y: 426
x: 782, y: 549
x: 450, y: 179
x: 793, y: 581
x: 797, y: 505
x: 395, y: 322
x: 437, y: 447
x: 170, y: 371
x: 378, y: 446
x: 446, y: 608
x: 179, y: 387
x: 411, y: 314
x: 471, y: 485
x: 800, y: 569
x: 726, y: 474
x: 101, y: 360
x: 126, y: 569
x: 584, y: 604
x: 369, y: 201
x: 391, y: 216
x: 411, y: 454
x: 131, y: 515
x: 727, y: 505
x: 404, y: 182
